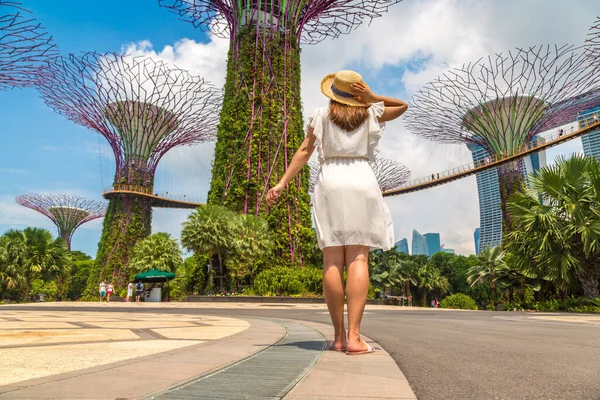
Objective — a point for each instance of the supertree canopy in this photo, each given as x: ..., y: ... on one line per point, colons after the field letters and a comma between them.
x: 501, y: 102
x: 390, y: 174
x: 261, y: 121
x: 24, y: 45
x: 593, y: 41
x: 143, y: 108
x: 67, y: 212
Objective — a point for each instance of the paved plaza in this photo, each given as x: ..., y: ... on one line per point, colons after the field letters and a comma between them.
x: 128, y: 351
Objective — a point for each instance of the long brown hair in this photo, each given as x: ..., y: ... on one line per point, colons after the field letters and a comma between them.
x: 347, y: 117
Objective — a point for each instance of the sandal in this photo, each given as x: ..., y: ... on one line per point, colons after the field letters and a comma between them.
x: 369, y: 349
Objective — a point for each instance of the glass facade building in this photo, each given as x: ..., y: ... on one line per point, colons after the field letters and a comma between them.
x: 419, y: 244
x: 477, y: 236
x: 490, y: 213
x: 434, y: 244
x: 402, y: 246
x: 591, y: 141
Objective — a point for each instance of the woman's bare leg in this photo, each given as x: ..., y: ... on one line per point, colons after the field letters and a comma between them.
x: 333, y: 288
x: 357, y: 288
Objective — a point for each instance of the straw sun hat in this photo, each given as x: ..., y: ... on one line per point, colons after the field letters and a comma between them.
x: 338, y: 87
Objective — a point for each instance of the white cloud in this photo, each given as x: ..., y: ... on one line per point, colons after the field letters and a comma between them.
x: 419, y: 39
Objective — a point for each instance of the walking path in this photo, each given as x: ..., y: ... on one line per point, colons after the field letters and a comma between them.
x: 119, y: 355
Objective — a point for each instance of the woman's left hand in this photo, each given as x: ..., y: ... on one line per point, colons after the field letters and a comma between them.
x: 274, y: 193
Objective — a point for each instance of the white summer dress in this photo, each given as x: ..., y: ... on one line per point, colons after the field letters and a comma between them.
x: 348, y: 207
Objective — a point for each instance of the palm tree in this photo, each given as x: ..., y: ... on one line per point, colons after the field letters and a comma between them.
x: 430, y: 281
x: 391, y: 276
x: 490, y: 260
x: 558, y: 224
x: 158, y: 251
x: 252, y: 241
x: 409, y: 273
x: 32, y: 253
x: 210, y: 229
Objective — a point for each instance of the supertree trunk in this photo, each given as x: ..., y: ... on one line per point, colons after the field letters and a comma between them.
x: 127, y: 221
x: 259, y: 131
x: 510, y: 181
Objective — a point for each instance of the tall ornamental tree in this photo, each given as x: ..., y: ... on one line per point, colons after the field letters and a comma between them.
x: 502, y: 101
x: 143, y: 108
x: 66, y: 211
x: 261, y: 122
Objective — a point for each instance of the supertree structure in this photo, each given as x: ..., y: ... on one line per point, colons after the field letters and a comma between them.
x: 390, y: 174
x: 593, y: 41
x: 66, y: 211
x: 501, y: 102
x: 261, y: 120
x: 143, y: 108
x: 24, y: 46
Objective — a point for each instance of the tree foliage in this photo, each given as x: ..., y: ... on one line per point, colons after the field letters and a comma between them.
x: 158, y: 251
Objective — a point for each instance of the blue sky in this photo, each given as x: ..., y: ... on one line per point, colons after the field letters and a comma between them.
x: 41, y: 151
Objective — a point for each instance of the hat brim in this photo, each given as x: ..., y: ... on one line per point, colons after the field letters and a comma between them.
x: 326, y: 89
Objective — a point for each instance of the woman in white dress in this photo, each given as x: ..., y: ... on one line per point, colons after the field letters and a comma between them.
x: 349, y: 213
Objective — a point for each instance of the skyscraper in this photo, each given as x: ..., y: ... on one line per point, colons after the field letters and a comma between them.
x: 477, y: 236
x: 419, y: 244
x: 402, y: 246
x: 434, y: 244
x: 490, y: 214
x: 591, y: 141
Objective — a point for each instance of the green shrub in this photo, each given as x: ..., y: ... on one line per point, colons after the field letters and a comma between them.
x: 49, y: 289
x: 459, y: 301
x: 283, y: 281
x: 572, y: 304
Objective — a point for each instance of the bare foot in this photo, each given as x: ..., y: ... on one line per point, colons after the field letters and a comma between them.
x: 355, y: 344
x: 340, y: 343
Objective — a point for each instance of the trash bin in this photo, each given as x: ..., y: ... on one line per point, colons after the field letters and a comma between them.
x: 153, y: 295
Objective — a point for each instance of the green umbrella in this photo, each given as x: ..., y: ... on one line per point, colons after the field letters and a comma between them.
x: 154, y: 275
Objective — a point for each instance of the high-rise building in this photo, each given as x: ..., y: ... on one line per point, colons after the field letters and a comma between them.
x: 434, y: 244
x: 402, y: 246
x: 447, y: 250
x: 477, y: 236
x: 419, y: 244
x: 591, y: 141
x: 490, y: 214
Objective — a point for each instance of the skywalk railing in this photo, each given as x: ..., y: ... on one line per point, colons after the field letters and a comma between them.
x: 135, y: 189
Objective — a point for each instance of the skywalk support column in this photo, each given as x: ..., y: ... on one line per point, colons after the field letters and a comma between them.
x: 261, y: 123
x: 143, y: 108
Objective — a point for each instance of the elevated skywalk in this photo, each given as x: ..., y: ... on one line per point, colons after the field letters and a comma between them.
x: 158, y: 200
x: 547, y: 141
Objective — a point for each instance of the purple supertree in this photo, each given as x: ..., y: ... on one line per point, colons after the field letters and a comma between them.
x: 593, y: 41
x: 66, y: 211
x: 24, y: 46
x: 261, y: 122
x: 390, y: 174
x: 143, y: 108
x: 501, y: 102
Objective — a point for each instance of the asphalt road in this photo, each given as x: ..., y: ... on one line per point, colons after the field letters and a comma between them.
x: 467, y: 355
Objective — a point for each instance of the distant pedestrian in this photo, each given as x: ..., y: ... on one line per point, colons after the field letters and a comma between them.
x: 486, y: 160
x: 432, y: 303
x: 596, y: 118
x: 109, y: 290
x: 432, y: 176
x: 560, y: 132
x: 129, y: 292
x: 102, y: 290
x: 438, y: 175
x: 139, y: 288
x: 436, y: 303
